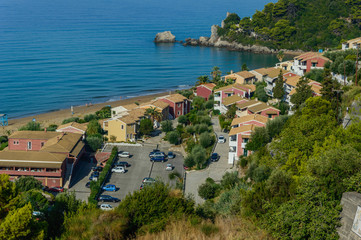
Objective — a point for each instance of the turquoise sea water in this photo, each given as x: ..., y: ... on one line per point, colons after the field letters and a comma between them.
x: 54, y: 54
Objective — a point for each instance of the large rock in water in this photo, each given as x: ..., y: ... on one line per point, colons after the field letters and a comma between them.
x: 164, y: 37
x: 214, y: 34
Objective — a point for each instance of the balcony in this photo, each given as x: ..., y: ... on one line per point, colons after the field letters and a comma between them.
x: 243, y: 145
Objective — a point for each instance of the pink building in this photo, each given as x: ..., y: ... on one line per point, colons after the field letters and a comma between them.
x: 307, y: 61
x: 178, y: 104
x: 240, y: 134
x: 48, y: 156
x: 205, y: 90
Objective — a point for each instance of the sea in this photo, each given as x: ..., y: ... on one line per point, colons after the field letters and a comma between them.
x: 61, y: 53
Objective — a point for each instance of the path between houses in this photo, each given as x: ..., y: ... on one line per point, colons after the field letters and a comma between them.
x: 215, y: 170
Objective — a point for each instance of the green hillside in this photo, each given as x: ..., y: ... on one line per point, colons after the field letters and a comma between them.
x: 297, y: 24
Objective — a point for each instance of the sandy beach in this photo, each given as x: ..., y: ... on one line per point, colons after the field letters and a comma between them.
x: 56, y: 117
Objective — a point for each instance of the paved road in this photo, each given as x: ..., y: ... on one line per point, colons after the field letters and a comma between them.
x: 215, y: 170
x: 354, y: 114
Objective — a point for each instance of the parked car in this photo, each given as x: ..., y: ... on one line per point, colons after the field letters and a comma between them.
x: 169, y: 167
x: 156, y: 154
x: 185, y: 167
x: 124, y: 154
x: 118, y: 169
x: 97, y: 169
x: 214, y: 157
x: 87, y: 185
x: 221, y: 139
x: 157, y: 159
x: 56, y: 189
x: 110, y: 187
x: 171, y: 155
x: 148, y: 180
x: 106, y: 207
x: 122, y: 164
x: 107, y: 198
x: 94, y: 175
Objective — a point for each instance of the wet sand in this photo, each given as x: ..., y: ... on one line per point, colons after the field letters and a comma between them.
x: 57, y: 117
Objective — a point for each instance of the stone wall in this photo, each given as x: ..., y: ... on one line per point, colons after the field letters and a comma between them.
x: 349, y: 202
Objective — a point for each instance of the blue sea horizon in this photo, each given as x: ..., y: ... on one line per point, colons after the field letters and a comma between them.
x: 62, y: 53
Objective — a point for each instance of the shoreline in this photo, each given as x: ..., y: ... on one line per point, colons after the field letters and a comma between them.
x: 57, y: 116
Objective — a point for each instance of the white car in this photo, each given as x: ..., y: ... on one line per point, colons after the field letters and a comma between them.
x: 118, y: 169
x: 106, y: 207
x: 169, y: 167
x: 124, y: 155
x: 221, y: 139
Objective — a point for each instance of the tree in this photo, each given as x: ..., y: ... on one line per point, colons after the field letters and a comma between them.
x: 209, y: 189
x: 230, y: 180
x: 154, y: 113
x: 205, y: 139
x: 173, y: 137
x: 260, y: 92
x: 146, y: 126
x: 231, y: 111
x: 189, y: 161
x: 278, y: 90
x: 167, y: 126
x: 198, y: 103
x: 280, y: 55
x: 303, y: 92
x: 93, y: 128
x: 19, y: 224
x: 103, y: 113
x: 31, y: 126
x: 209, y: 104
x: 26, y: 183
x: 94, y: 142
x: 216, y: 74
x: 259, y: 138
x: 199, y: 155
x: 183, y: 119
x: 8, y: 192
x: 202, y: 79
x: 244, y: 67
x: 327, y: 86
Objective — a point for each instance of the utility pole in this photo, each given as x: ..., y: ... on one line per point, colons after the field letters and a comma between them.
x: 356, y: 65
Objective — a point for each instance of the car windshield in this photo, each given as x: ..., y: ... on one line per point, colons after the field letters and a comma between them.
x: 221, y: 137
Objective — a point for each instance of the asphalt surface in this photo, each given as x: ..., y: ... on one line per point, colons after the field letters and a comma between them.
x: 126, y: 183
x: 353, y: 115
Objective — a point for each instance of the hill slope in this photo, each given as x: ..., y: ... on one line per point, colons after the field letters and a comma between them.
x: 296, y: 24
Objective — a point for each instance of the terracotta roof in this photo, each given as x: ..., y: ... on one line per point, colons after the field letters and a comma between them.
x: 34, y: 135
x: 251, y: 87
x: 247, y: 118
x: 79, y: 126
x: 353, y: 40
x: 245, y: 74
x: 157, y: 103
x: 248, y: 104
x: 130, y: 106
x: 31, y: 159
x: 243, y: 87
x: 261, y: 71
x: 63, y: 144
x: 210, y: 86
x: 260, y: 107
x: 293, y: 80
x: 293, y: 91
x: 316, y: 89
x: 241, y: 129
x: 310, y: 56
x: 175, y: 98
x: 127, y: 119
x: 231, y: 100
x: 274, y: 72
x: 271, y: 112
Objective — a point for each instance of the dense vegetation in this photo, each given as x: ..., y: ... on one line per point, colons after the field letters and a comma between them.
x: 297, y: 24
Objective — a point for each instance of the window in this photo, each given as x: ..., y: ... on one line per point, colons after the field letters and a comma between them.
x: 178, y: 113
x: 269, y: 115
x: 245, y: 140
x: 245, y: 153
x: 42, y: 144
x: 29, y: 145
x: 16, y: 142
x: 179, y: 105
x: 122, y: 126
x: 314, y: 64
x: 51, y: 169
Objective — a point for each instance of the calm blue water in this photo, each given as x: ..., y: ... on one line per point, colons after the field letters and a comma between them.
x: 54, y: 54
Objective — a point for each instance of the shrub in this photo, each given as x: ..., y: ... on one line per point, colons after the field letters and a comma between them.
x: 189, y: 161
x: 146, y: 126
x: 209, y: 189
x: 94, y: 142
x: 200, y: 128
x: 180, y: 129
x: 26, y: 183
x: 190, y: 144
x: 216, y: 112
x: 183, y: 119
x: 52, y: 128
x: 209, y: 104
x: 93, y: 128
x: 209, y: 229
x: 243, y: 161
x: 229, y: 180
x: 199, y: 155
x: 89, y: 117
x: 167, y: 126
x: 31, y: 126
x: 205, y: 139
x: 190, y: 129
x: 205, y: 120
x: 173, y: 137
x: 72, y: 119
x: 103, y: 113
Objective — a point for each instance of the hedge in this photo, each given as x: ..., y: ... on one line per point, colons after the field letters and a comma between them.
x: 95, y: 187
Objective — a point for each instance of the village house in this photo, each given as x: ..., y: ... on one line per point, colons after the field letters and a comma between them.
x: 240, y: 134
x: 286, y: 65
x: 256, y: 107
x: 50, y: 157
x: 243, y: 77
x: 178, y: 105
x: 73, y: 127
x: 307, y: 61
x: 352, y: 44
x: 205, y: 90
x: 244, y: 91
x: 271, y: 75
x: 229, y: 101
x: 160, y: 106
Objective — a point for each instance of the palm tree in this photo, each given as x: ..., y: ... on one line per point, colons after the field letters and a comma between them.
x: 202, y: 79
x: 280, y: 56
x: 154, y: 113
x: 216, y: 74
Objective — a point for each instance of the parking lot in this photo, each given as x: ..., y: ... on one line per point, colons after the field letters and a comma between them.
x: 140, y: 167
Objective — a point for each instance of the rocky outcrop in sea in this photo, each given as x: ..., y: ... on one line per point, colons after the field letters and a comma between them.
x: 164, y: 37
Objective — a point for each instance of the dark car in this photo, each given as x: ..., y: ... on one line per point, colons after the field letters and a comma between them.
x: 94, y: 175
x: 97, y: 169
x: 214, y: 157
x: 157, y: 159
x: 87, y: 185
x: 171, y: 155
x: 122, y: 164
x: 107, y: 198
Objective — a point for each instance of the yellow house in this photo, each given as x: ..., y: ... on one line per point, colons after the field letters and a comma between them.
x: 243, y: 77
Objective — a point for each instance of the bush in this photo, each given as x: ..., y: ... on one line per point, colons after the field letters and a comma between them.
x: 26, y: 183
x: 229, y: 180
x: 216, y: 112
x: 183, y: 119
x: 209, y: 189
x: 89, y: 117
x: 31, y: 126
x: 94, y: 142
x: 146, y: 126
x: 243, y: 161
x: 199, y: 155
x: 205, y: 120
x: 190, y: 144
x: 103, y: 113
x: 72, y: 119
x: 200, y: 128
x: 93, y: 128
x: 52, y: 128
x: 173, y: 137
x: 205, y: 139
x: 209, y: 104
x: 167, y: 126
x: 189, y: 161
x: 190, y: 129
